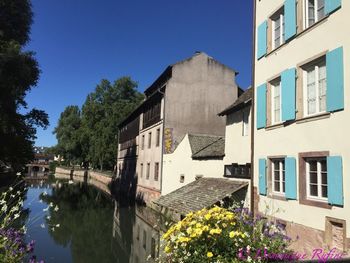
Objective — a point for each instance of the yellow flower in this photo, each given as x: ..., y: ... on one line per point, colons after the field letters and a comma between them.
x: 184, y: 239
x: 209, y: 254
x: 167, y: 249
x: 207, y: 216
x: 232, y: 234
x: 215, y: 231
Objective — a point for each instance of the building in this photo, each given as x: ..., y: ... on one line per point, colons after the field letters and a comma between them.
x: 184, y: 99
x: 302, y: 108
x: 196, y: 156
x: 236, y: 163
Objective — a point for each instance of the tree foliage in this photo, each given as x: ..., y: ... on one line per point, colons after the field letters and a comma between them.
x: 95, y: 140
x: 19, y: 72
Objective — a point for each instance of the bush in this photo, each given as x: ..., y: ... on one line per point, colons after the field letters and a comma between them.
x: 220, y: 235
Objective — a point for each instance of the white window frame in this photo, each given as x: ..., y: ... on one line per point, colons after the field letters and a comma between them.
x: 314, y: 66
x: 245, y: 123
x: 319, y: 180
x: 316, y: 17
x: 281, y: 173
x: 279, y: 14
x: 274, y: 85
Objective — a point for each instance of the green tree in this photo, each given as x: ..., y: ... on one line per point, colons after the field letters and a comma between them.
x: 19, y: 72
x: 102, y: 111
x: 68, y: 135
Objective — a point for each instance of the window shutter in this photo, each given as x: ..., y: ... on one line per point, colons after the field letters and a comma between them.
x: 290, y: 18
x: 262, y: 176
x: 262, y: 39
x: 335, y: 180
x: 261, y: 106
x: 291, y: 178
x: 332, y: 5
x: 288, y: 94
x: 335, y: 80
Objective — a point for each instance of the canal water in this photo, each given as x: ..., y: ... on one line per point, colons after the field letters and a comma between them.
x: 77, y: 222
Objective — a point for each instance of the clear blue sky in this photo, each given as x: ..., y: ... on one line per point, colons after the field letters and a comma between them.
x: 80, y: 42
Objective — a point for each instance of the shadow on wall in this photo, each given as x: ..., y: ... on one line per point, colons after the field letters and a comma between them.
x: 124, y: 182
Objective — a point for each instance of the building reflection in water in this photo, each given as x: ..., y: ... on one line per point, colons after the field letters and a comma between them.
x: 145, y: 236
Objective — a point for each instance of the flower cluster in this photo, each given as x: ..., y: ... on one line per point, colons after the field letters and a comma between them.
x: 220, y: 235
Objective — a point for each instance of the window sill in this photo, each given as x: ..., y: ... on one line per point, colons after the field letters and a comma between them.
x: 278, y: 197
x: 315, y: 203
x: 275, y: 126
x: 316, y: 117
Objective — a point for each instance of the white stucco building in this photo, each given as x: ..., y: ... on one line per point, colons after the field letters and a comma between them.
x: 302, y: 112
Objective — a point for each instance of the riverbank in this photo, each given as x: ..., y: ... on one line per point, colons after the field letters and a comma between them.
x: 99, y: 179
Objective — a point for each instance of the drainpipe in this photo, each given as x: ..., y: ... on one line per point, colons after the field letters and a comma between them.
x: 252, y: 203
x: 162, y: 143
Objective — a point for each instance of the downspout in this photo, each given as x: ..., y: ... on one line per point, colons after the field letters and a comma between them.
x: 162, y: 143
x: 252, y: 203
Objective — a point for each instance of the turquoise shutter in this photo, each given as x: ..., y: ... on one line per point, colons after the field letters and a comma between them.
x: 262, y: 177
x: 332, y: 5
x: 261, y: 106
x: 291, y: 178
x: 262, y: 39
x: 288, y: 94
x: 335, y: 180
x: 335, y: 80
x: 290, y: 18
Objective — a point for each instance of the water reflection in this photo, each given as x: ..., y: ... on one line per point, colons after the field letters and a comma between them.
x: 92, y: 226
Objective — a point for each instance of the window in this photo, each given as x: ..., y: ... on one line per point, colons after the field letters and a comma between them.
x: 141, y: 170
x: 148, y: 170
x: 316, y: 176
x: 245, y: 127
x: 158, y: 138
x: 143, y: 142
x: 182, y: 178
x: 153, y: 248
x: 314, y: 11
x: 236, y: 170
x: 276, y: 101
x: 156, y: 171
x: 277, y: 29
x: 144, y: 239
x: 315, y: 87
x: 149, y: 139
x: 278, y: 176
x: 138, y: 233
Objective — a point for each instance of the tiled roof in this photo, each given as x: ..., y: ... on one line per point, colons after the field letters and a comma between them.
x: 199, y: 194
x: 206, y: 146
x: 242, y: 100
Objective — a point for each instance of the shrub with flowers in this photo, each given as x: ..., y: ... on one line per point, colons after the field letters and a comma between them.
x: 13, y: 247
x: 220, y: 235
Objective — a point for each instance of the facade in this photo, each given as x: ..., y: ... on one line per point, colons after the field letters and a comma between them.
x: 236, y: 163
x: 302, y: 108
x: 185, y: 98
x: 196, y: 156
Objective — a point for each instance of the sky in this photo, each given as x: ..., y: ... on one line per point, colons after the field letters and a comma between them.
x: 78, y: 43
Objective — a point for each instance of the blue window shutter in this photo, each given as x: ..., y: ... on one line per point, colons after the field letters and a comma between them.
x: 332, y: 5
x: 262, y: 39
x: 261, y: 106
x: 262, y: 177
x: 291, y: 178
x: 288, y: 94
x: 335, y: 180
x: 335, y: 80
x: 290, y: 18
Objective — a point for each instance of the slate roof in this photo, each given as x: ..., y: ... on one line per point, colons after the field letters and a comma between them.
x: 199, y: 194
x: 206, y: 146
x: 244, y: 99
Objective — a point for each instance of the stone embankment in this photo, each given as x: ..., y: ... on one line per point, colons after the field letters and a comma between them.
x: 98, y: 179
